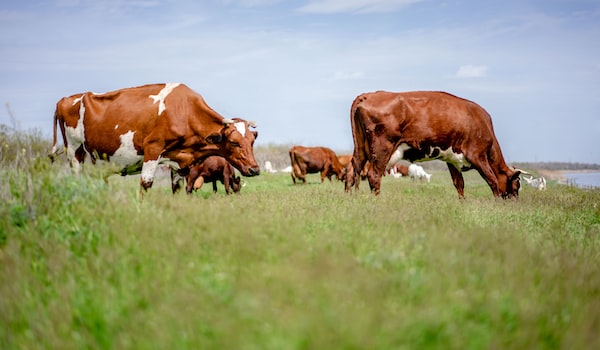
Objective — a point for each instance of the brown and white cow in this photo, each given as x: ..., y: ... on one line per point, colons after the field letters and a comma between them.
x: 308, y: 160
x: 138, y: 128
x: 400, y: 169
x: 423, y: 126
x: 213, y: 169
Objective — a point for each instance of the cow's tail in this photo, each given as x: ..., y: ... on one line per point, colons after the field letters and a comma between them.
x: 359, y: 157
x: 294, y: 163
x: 54, y: 152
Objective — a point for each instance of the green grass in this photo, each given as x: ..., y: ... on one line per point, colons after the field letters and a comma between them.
x: 85, y: 264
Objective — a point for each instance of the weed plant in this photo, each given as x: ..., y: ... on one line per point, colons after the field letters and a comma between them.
x: 84, y: 263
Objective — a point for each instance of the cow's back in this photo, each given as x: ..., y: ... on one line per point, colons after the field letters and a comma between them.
x: 111, y: 115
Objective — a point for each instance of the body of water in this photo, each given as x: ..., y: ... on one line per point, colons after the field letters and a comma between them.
x: 583, y: 179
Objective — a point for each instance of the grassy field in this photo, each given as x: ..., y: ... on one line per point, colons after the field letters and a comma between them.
x: 85, y: 264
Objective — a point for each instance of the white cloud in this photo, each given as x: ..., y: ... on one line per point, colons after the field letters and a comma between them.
x: 354, y: 6
x: 471, y: 71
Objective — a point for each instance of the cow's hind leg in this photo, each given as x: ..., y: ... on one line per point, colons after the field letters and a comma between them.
x: 457, y: 180
x: 76, y: 156
x: 176, y: 181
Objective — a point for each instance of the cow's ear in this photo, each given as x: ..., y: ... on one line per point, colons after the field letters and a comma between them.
x: 214, y: 138
x: 255, y: 134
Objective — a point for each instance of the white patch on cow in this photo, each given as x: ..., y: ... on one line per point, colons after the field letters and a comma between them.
x: 75, y: 138
x: 116, y: 126
x: 148, y: 170
x: 449, y: 156
x: 162, y: 95
x: 126, y: 154
x: 399, y: 153
x: 457, y: 159
x: 241, y: 127
x: 75, y: 101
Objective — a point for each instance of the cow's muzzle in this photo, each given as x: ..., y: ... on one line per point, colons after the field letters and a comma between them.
x: 253, y: 171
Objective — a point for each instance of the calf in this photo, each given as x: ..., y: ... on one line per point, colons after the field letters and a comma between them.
x: 213, y: 169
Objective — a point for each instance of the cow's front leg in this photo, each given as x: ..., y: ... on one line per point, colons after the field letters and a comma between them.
x: 148, y: 171
x: 152, y: 154
x: 374, y: 175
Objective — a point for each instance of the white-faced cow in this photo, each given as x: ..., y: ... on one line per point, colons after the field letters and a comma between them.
x: 213, y: 169
x: 425, y: 126
x: 308, y: 160
x: 139, y: 128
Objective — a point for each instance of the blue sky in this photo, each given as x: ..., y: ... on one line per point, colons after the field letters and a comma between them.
x: 295, y: 66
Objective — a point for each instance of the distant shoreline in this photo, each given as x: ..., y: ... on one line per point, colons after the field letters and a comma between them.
x: 559, y: 175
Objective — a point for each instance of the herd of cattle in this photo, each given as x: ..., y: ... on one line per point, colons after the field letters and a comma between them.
x: 142, y: 127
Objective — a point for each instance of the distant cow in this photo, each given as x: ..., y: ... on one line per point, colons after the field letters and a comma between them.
x: 424, y: 126
x: 139, y: 128
x: 538, y: 183
x: 269, y: 168
x: 213, y: 169
x: 416, y: 172
x: 308, y: 160
x: 399, y: 169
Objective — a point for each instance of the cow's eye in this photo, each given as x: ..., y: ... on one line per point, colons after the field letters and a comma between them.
x: 235, y: 144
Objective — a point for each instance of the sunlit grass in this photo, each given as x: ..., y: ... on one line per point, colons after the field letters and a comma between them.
x: 85, y: 264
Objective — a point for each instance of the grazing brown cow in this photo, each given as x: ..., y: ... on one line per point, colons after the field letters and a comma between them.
x: 138, y: 128
x: 213, y: 169
x: 308, y: 160
x: 425, y: 126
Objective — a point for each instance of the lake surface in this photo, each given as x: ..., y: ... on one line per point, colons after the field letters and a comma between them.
x: 591, y: 179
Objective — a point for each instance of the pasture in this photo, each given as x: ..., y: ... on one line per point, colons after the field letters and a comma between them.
x: 85, y: 264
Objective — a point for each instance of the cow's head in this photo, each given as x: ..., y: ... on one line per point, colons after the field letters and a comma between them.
x: 509, y: 183
x: 236, y: 144
x: 236, y: 184
x: 349, y: 176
